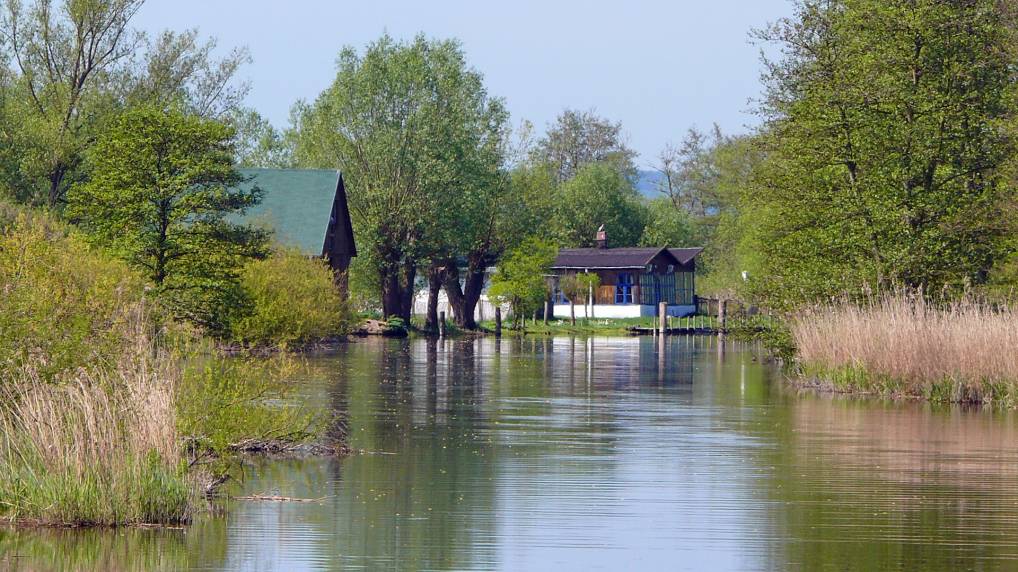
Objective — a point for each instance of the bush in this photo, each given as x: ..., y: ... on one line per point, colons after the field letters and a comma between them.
x: 63, y: 305
x: 293, y: 300
x: 223, y: 402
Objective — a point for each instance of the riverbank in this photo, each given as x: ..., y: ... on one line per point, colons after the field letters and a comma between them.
x: 112, y: 413
x: 903, y: 346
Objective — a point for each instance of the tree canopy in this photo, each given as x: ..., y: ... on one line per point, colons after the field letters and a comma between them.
x: 885, y: 136
x: 418, y: 139
x: 161, y: 188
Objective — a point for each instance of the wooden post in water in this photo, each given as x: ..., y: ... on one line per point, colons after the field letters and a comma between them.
x: 721, y: 316
x: 498, y: 321
x: 662, y: 316
x: 441, y: 324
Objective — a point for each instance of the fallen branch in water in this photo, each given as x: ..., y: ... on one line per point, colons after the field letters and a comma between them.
x: 287, y: 447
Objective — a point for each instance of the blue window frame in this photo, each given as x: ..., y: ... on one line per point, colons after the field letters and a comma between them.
x: 624, y: 288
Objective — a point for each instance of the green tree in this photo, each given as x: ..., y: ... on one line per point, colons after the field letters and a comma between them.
x: 259, y: 143
x: 70, y: 67
x: 521, y: 278
x: 417, y: 138
x: 667, y: 225
x: 884, y: 139
x: 579, y: 138
x: 162, y: 187
x: 598, y: 195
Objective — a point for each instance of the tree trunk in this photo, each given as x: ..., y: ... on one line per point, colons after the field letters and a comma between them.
x: 390, y: 294
x: 463, y: 298
x: 408, y: 275
x: 572, y: 312
x: 434, y: 288
x: 56, y: 183
x: 472, y: 289
x: 398, y: 290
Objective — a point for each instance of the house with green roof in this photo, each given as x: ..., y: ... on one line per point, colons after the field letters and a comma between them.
x: 307, y: 210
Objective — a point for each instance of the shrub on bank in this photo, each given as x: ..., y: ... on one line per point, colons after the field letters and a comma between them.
x: 903, y: 344
x: 93, y: 410
x: 292, y: 300
x: 63, y: 305
x: 225, y: 403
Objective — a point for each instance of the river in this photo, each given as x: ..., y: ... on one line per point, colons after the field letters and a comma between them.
x: 595, y: 454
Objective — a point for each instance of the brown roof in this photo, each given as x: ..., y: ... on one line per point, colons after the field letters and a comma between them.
x: 684, y: 255
x: 618, y: 257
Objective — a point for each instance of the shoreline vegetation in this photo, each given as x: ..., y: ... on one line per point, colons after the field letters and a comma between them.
x: 903, y: 345
x: 112, y: 413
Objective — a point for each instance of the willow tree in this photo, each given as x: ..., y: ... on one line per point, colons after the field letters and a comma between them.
x: 416, y: 136
x: 884, y: 142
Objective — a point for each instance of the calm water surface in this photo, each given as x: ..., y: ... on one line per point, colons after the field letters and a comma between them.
x: 596, y: 454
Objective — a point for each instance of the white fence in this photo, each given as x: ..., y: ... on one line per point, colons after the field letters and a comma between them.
x: 484, y: 310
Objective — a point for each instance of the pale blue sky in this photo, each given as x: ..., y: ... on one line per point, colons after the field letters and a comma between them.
x: 658, y: 66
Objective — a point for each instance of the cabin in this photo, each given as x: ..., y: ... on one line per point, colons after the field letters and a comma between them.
x: 307, y: 210
x: 633, y: 281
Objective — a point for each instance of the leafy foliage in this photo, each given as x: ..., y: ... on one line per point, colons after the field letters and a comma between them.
x: 667, y: 225
x: 884, y: 145
x: 68, y: 69
x: 223, y: 402
x: 579, y: 138
x: 292, y: 300
x: 418, y: 140
x: 161, y: 190
x: 63, y: 305
x: 520, y: 279
x: 598, y: 195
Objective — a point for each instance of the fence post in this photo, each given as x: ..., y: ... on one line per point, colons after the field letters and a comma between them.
x: 441, y: 324
x: 721, y: 316
x: 662, y: 316
x: 498, y: 321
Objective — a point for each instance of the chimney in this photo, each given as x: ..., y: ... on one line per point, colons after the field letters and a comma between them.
x: 601, y: 238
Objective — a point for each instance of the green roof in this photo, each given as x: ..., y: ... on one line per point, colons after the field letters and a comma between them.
x: 296, y: 204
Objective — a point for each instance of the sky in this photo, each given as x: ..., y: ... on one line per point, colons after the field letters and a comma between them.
x: 659, y: 67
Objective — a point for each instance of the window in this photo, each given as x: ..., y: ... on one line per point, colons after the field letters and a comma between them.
x: 684, y: 288
x: 666, y: 288
x: 559, y: 297
x: 648, y: 289
x: 624, y: 288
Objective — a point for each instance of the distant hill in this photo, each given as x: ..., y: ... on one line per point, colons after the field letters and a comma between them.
x: 648, y: 184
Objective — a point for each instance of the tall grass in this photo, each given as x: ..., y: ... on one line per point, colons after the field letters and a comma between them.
x: 100, y: 448
x: 901, y: 343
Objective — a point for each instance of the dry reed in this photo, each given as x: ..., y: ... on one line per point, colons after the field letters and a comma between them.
x: 901, y: 343
x: 98, y: 448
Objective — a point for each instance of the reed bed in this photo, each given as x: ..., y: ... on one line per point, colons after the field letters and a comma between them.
x: 98, y: 448
x: 903, y: 344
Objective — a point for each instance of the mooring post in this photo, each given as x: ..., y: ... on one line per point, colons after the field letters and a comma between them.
x: 441, y: 324
x: 721, y: 316
x: 498, y: 321
x: 662, y: 316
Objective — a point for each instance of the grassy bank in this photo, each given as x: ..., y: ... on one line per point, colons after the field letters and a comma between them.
x: 111, y: 414
x: 604, y: 326
x: 902, y: 345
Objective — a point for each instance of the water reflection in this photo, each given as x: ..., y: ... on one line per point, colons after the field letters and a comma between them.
x: 596, y: 454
